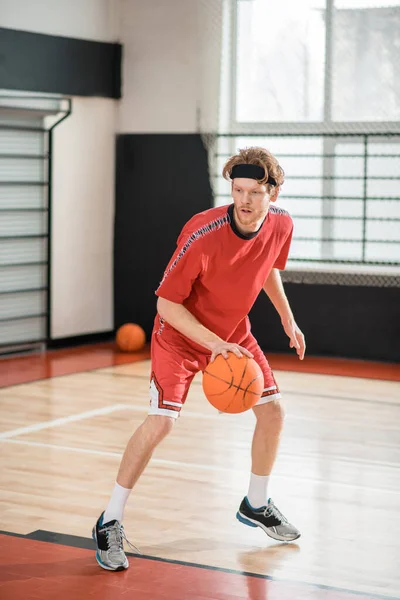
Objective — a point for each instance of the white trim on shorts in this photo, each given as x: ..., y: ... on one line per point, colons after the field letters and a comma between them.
x: 264, y: 400
x: 271, y: 397
x: 156, y: 410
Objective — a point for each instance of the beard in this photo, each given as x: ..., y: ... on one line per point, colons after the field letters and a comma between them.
x: 250, y: 221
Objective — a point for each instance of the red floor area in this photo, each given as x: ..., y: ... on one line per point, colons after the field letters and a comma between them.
x: 54, y: 363
x: 23, y: 369
x: 33, y: 570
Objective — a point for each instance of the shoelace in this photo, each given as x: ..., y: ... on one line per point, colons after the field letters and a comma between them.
x: 115, y: 536
x: 271, y: 510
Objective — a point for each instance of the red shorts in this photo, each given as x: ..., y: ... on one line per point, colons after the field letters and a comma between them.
x: 175, y: 363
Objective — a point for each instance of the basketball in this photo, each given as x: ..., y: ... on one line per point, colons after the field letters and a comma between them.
x: 233, y: 384
x: 130, y: 337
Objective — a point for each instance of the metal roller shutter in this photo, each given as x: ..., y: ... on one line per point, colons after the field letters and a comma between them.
x: 24, y: 193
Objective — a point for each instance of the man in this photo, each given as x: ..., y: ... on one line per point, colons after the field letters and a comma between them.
x: 225, y: 256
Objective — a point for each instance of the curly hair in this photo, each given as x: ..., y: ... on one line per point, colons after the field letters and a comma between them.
x: 256, y: 155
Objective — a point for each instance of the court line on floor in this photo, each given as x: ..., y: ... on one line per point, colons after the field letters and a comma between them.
x: 95, y: 413
x: 189, y: 465
x: 132, y: 408
x: 92, y: 413
x: 282, y: 454
x: 63, y: 420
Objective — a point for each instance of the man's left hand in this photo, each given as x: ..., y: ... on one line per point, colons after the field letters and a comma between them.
x: 296, y: 337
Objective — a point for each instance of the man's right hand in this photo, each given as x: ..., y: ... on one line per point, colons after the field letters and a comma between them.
x: 225, y: 347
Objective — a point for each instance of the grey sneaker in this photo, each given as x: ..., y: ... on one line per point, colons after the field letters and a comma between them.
x: 270, y: 519
x: 109, y: 538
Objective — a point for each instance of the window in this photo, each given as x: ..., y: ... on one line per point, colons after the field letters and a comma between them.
x: 280, y: 60
x: 366, y: 59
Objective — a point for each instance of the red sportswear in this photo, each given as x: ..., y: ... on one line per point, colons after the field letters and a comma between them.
x: 217, y: 273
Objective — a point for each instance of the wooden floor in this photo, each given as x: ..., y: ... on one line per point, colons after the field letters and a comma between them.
x: 337, y: 479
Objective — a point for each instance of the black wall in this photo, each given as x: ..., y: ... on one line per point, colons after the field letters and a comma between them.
x: 59, y: 65
x: 337, y: 320
x: 162, y: 181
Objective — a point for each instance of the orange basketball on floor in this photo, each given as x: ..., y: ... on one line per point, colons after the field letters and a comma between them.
x: 130, y: 337
x: 233, y: 384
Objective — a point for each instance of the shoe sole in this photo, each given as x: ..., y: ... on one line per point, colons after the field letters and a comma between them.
x: 100, y: 562
x: 275, y: 536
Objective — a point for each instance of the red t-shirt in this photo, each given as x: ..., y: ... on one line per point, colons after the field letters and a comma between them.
x: 217, y: 273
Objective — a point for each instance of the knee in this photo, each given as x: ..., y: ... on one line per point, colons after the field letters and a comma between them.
x: 159, y: 426
x: 270, y: 415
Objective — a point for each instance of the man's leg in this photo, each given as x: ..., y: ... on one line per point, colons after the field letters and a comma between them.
x: 136, y: 456
x: 257, y: 509
x: 266, y: 436
x: 170, y: 381
x: 140, y: 448
x: 108, y: 532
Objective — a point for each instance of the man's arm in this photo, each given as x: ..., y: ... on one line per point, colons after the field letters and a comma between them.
x: 273, y: 287
x: 183, y: 321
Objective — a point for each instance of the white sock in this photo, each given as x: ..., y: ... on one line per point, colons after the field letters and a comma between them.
x: 116, y: 505
x: 258, y: 490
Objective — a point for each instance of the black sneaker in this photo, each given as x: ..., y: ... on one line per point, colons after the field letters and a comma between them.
x: 109, y: 538
x: 270, y: 519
